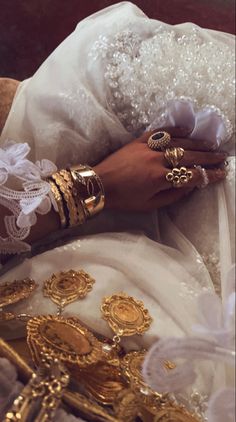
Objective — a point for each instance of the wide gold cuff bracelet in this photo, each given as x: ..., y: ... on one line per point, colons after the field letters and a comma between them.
x: 88, y: 188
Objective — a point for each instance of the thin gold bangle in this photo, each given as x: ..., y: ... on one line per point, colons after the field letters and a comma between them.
x: 60, y: 182
x: 59, y: 203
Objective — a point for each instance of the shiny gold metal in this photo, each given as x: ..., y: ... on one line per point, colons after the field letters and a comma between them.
x: 125, y: 315
x: 174, y: 156
x: 103, y: 382
x: 42, y: 395
x: 126, y: 406
x: 88, y: 188
x: 179, y: 176
x: 174, y: 413
x: 89, y: 408
x: 12, y: 292
x: 66, y: 287
x: 159, y: 141
x: 67, y: 195
x: 64, y: 339
x: 131, y: 366
x: 59, y: 202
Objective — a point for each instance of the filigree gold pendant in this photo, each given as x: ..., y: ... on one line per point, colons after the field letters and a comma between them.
x: 12, y: 292
x: 64, y: 339
x: 66, y: 287
x: 125, y: 315
x: 131, y: 365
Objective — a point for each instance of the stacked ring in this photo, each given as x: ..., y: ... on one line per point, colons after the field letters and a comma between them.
x: 159, y: 141
x: 174, y: 156
x: 179, y: 176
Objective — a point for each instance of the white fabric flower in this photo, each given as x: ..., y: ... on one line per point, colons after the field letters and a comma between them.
x: 24, y: 204
x: 217, y: 317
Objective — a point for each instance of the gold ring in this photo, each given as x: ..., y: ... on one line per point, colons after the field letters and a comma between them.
x: 174, y: 156
x: 179, y: 176
x: 159, y: 141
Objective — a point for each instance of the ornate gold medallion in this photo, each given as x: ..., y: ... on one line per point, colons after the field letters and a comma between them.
x: 174, y: 414
x: 131, y: 366
x: 65, y: 339
x: 12, y: 292
x: 125, y: 315
x: 66, y: 287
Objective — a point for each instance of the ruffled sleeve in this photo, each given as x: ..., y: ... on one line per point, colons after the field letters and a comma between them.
x: 24, y: 192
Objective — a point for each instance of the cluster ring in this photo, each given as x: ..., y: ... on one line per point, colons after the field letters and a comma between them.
x: 179, y: 176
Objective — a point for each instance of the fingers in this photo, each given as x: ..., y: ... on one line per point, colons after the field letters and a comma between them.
x: 213, y: 175
x: 179, y: 138
x: 168, y: 197
x: 206, y: 159
x: 175, y: 132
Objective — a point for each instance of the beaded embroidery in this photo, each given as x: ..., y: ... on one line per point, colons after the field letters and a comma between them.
x: 144, y: 75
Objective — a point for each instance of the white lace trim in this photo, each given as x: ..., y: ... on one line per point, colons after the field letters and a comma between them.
x: 32, y: 195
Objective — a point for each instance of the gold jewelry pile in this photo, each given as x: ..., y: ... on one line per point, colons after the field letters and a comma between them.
x: 93, y: 377
x: 78, y: 194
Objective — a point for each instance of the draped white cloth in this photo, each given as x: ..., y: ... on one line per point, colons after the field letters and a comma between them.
x: 117, y: 74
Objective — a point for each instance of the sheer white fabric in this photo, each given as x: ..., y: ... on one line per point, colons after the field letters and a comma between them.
x: 24, y: 192
x: 91, y: 96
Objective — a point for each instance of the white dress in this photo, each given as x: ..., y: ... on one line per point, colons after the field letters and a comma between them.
x: 116, y: 75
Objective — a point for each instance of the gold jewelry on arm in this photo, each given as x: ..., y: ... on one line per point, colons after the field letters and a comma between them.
x: 59, y: 202
x: 78, y: 193
x: 89, y: 189
x: 67, y: 195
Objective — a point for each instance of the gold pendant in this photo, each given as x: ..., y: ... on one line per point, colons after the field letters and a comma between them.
x: 131, y: 366
x: 15, y: 291
x: 66, y: 287
x: 63, y: 339
x: 125, y: 315
x: 103, y: 382
x: 174, y: 414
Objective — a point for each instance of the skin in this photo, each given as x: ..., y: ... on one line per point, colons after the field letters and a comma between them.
x: 133, y: 177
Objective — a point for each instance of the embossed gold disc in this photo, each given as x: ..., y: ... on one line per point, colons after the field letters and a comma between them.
x: 66, y: 287
x: 174, y: 414
x: 65, y: 339
x: 131, y: 365
x: 12, y: 292
x: 125, y: 315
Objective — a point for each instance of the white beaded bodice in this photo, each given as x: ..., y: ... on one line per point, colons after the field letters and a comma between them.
x: 143, y: 74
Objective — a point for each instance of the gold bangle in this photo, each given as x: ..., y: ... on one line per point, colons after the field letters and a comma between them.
x: 81, y: 216
x: 62, y: 184
x: 59, y: 202
x: 89, y: 189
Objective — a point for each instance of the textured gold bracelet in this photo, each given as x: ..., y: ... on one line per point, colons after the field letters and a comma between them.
x: 89, y: 189
x: 67, y: 195
x: 59, y: 202
x: 81, y: 216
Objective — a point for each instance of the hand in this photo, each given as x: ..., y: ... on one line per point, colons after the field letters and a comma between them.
x: 134, y: 177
